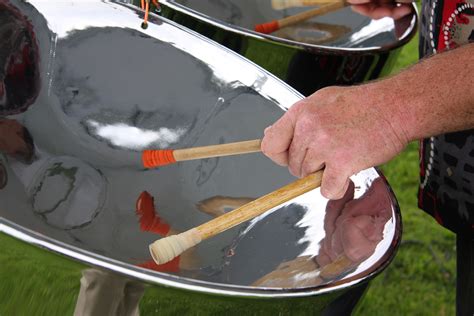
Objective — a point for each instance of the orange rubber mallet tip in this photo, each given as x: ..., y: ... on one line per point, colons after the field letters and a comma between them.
x: 267, y: 28
x: 157, y: 158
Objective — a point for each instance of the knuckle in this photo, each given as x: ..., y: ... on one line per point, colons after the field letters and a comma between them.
x: 306, y: 124
x: 295, y: 109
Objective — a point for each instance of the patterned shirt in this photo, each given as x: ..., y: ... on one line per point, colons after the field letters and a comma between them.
x: 447, y: 161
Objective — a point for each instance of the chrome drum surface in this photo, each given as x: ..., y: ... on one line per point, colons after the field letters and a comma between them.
x: 78, y: 210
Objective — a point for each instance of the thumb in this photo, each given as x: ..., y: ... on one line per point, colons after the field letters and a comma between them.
x: 334, y: 184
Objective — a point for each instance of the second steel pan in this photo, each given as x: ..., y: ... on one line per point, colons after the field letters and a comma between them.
x: 339, y: 48
x: 83, y: 90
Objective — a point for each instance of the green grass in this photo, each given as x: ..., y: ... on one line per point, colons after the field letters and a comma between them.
x: 421, y: 278
x: 33, y: 281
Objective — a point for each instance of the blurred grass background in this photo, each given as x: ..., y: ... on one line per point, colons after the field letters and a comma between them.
x: 421, y: 278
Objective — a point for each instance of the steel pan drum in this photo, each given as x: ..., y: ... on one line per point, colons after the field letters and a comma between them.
x: 83, y: 90
x: 339, y: 48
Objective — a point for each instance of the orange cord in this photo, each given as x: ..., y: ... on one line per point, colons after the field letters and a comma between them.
x: 267, y: 28
x: 156, y: 158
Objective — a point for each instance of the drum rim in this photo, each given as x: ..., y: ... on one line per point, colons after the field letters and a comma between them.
x: 407, y: 35
x: 199, y: 286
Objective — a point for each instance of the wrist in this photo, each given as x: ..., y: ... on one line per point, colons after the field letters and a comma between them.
x: 397, y: 105
x: 390, y: 117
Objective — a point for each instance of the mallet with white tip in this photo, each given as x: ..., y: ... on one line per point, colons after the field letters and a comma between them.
x: 165, y: 249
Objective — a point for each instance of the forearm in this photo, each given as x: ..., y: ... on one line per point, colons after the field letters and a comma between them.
x: 348, y: 129
x: 434, y: 97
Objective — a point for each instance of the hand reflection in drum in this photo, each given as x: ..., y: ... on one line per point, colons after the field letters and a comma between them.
x: 377, y: 9
x: 353, y: 228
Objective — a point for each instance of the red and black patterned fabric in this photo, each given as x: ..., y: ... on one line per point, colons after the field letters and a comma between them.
x: 447, y: 161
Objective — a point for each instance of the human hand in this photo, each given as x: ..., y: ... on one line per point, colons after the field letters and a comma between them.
x: 344, y: 129
x: 377, y: 9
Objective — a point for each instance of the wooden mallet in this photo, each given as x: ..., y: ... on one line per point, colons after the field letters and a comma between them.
x: 285, y: 4
x: 165, y: 249
x: 275, y: 25
x: 162, y: 157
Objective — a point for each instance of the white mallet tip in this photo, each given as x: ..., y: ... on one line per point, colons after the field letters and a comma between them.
x: 166, y: 249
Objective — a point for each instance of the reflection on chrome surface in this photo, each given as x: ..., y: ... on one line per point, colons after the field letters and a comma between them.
x: 339, y: 29
x: 66, y: 192
x: 72, y: 182
x: 338, y: 48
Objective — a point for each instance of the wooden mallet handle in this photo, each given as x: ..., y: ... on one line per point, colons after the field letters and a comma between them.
x: 161, y: 157
x: 165, y: 249
x: 259, y: 206
x: 284, y: 4
x: 275, y: 25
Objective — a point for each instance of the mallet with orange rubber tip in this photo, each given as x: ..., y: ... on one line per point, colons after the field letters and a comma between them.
x: 165, y: 249
x: 275, y: 25
x: 161, y: 157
